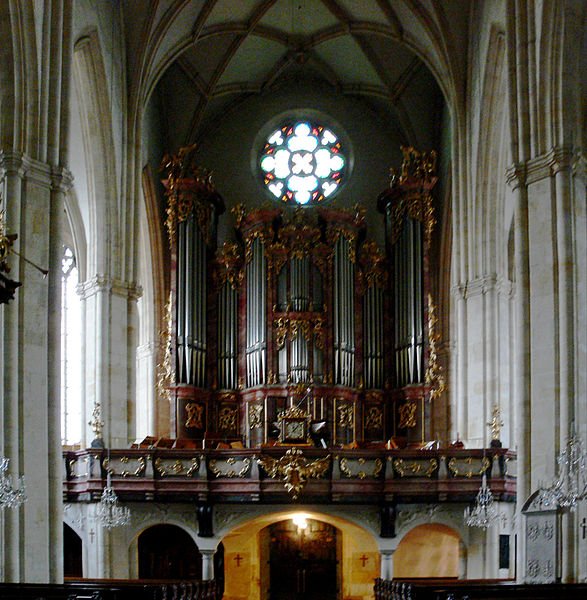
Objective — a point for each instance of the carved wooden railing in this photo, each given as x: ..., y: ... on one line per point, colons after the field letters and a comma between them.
x: 278, y: 474
x: 112, y: 590
x: 474, y: 589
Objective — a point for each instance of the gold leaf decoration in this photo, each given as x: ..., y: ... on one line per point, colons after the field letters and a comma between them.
x: 294, y: 469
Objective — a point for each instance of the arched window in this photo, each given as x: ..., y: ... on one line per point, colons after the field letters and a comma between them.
x: 70, y: 351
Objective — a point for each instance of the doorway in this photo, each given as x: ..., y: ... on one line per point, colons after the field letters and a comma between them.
x: 303, y: 560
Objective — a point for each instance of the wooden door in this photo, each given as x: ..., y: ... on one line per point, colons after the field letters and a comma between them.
x: 303, y: 562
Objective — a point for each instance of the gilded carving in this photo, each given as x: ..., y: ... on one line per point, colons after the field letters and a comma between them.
x: 177, y: 467
x: 227, y: 418
x: 194, y: 415
x: 294, y: 469
x: 374, y: 418
x: 464, y: 467
x: 434, y: 373
x: 407, y: 415
x: 140, y: 469
x: 373, y: 266
x: 219, y: 467
x: 496, y: 423
x: 165, y: 371
x: 418, y: 176
x: 415, y: 468
x: 239, y: 212
x: 255, y: 416
x: 229, y: 266
x: 307, y: 326
x: 188, y: 190
x: 346, y: 467
x: 346, y: 415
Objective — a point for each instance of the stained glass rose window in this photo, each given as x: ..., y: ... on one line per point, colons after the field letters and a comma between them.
x: 302, y: 163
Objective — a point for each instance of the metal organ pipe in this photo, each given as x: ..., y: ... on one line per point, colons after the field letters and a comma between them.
x: 344, y: 321
x: 408, y: 301
x: 256, y: 309
x: 227, y: 337
x: 191, y: 314
x: 191, y: 304
x: 373, y: 338
x: 180, y: 299
x: 418, y: 302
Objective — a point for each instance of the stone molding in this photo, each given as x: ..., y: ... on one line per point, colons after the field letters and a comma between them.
x: 148, y: 350
x: 49, y: 176
x: 116, y: 287
x: 542, y: 167
x: 481, y: 286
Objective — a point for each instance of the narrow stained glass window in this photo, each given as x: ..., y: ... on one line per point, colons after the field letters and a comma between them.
x: 302, y: 163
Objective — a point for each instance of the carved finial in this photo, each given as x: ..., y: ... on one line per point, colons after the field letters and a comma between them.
x: 496, y: 423
x: 97, y: 425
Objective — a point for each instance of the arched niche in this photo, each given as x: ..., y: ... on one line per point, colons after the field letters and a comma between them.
x: 430, y: 550
x: 168, y: 552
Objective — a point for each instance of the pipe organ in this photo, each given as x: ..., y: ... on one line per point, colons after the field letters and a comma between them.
x: 301, y: 315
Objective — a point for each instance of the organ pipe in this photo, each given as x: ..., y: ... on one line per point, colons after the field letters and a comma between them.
x: 373, y: 338
x: 227, y: 324
x: 409, y: 305
x: 191, y: 305
x: 256, y: 274
x: 344, y: 316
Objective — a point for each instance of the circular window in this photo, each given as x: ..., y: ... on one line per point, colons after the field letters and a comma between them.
x: 302, y: 163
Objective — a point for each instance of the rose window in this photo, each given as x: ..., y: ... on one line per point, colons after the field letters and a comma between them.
x: 302, y: 163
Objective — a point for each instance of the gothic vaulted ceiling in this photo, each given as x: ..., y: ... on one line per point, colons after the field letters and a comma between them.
x: 201, y: 59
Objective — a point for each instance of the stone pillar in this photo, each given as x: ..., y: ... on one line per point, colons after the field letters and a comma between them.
x: 147, y: 380
x: 110, y: 321
x: 207, y: 564
x: 387, y: 564
x: 462, y: 561
x: 33, y: 196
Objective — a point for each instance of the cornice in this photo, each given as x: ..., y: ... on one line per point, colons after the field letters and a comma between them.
x: 116, y: 287
x: 23, y: 166
x: 541, y: 167
x: 481, y: 286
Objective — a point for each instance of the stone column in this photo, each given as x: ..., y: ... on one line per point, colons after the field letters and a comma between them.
x: 462, y: 561
x: 387, y: 564
x: 33, y: 197
x: 207, y: 564
x: 110, y: 315
x: 147, y: 386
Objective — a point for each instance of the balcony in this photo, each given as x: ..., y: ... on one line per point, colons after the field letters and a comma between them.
x: 282, y: 474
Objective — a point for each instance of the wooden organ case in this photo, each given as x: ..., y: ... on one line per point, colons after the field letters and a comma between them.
x: 301, y: 320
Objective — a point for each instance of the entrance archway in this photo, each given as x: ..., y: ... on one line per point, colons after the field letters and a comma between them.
x: 248, y: 554
x: 303, y: 560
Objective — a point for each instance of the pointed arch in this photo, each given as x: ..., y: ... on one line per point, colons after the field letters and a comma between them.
x: 91, y: 86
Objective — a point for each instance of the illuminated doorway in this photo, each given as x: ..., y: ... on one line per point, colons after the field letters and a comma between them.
x: 303, y: 560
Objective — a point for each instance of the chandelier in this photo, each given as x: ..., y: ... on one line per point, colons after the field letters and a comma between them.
x: 110, y: 513
x: 10, y: 496
x: 570, y: 486
x: 484, y: 512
